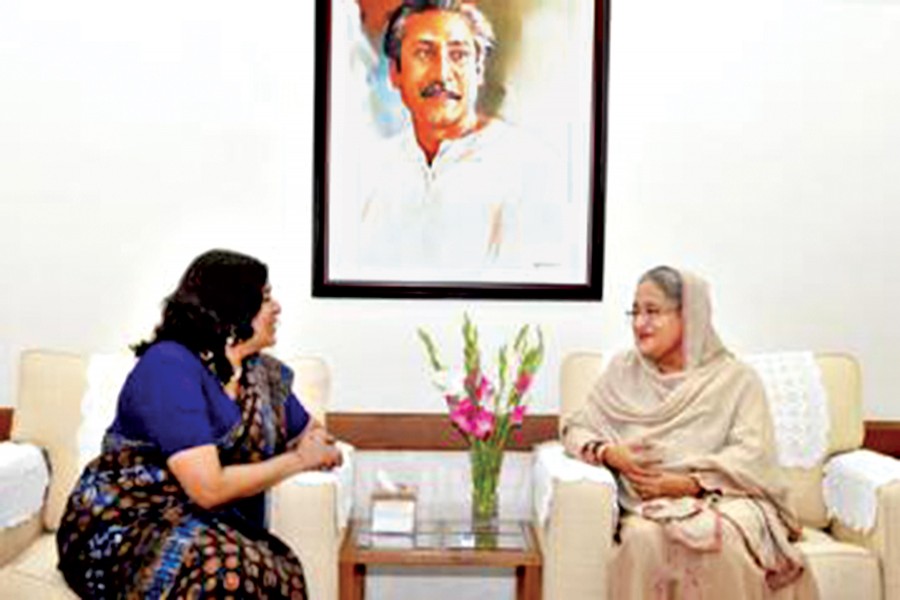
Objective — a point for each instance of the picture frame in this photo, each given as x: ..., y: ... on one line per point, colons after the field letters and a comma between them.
x: 524, y: 218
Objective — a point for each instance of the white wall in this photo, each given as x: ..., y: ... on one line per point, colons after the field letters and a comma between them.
x: 753, y: 142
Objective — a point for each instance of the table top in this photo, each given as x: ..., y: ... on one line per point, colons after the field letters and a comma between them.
x: 508, y: 543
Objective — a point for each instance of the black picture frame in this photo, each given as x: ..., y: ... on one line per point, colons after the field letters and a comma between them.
x: 325, y: 284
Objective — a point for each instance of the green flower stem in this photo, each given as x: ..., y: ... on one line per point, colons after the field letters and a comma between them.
x: 486, y: 463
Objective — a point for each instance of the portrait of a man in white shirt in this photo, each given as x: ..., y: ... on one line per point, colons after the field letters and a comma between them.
x: 454, y: 191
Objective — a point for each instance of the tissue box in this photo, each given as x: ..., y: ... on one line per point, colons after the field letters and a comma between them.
x: 394, y: 512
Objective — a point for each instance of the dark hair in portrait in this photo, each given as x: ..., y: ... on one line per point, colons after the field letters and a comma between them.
x: 215, y: 302
x: 395, y: 29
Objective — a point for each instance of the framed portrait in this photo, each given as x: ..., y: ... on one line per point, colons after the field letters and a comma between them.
x: 460, y: 148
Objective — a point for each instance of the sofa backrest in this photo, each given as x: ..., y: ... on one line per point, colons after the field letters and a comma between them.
x: 48, y: 412
x: 312, y: 383
x: 841, y: 378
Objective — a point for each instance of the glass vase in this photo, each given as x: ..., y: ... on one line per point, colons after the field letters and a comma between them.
x: 485, y: 462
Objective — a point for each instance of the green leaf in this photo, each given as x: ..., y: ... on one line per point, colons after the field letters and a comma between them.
x: 471, y: 353
x: 521, y: 339
x: 502, y: 367
x: 431, y: 349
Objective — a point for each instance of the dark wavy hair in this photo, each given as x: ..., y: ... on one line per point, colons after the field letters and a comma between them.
x: 396, y: 26
x: 215, y: 301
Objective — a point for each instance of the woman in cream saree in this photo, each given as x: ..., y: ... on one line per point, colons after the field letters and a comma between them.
x: 686, y: 429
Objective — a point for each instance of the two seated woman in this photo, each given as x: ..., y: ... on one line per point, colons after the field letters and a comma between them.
x: 206, y: 423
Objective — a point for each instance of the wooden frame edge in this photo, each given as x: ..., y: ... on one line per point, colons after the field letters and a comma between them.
x: 426, y: 431
x: 6, y: 415
x: 883, y: 436
x: 432, y: 431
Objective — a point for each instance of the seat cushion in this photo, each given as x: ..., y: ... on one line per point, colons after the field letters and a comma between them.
x: 14, y: 540
x: 841, y: 570
x: 805, y: 496
x: 48, y: 414
x: 34, y: 574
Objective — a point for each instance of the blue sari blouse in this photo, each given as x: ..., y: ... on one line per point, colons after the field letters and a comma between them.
x: 171, y: 400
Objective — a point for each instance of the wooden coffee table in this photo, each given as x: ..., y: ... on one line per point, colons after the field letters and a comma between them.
x: 442, y: 543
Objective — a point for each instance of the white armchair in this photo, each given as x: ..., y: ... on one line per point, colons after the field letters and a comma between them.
x: 575, y: 504
x: 308, y: 511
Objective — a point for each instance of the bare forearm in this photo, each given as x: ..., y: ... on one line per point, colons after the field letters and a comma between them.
x: 209, y: 484
x: 241, y: 481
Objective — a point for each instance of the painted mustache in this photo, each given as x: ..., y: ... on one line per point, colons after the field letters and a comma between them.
x: 437, y: 88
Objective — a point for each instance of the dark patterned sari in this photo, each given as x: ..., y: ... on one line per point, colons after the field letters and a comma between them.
x: 131, y: 531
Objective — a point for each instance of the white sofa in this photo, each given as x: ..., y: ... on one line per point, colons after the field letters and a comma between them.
x: 308, y: 511
x: 576, y: 526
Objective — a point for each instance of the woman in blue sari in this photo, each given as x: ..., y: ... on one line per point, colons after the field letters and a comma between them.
x: 175, y: 504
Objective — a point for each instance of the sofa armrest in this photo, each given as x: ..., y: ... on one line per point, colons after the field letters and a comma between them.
x: 869, y: 483
x: 309, y: 512
x: 575, y: 513
x: 851, y: 483
x: 24, y: 478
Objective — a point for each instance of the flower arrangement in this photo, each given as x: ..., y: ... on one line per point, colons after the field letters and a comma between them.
x: 486, y: 406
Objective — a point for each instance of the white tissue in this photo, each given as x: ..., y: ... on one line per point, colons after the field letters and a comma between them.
x: 385, y: 483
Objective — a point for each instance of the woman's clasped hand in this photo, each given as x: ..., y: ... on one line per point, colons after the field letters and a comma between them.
x: 638, y: 463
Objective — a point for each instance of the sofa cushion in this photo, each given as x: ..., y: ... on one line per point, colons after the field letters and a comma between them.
x: 805, y: 496
x: 14, y: 540
x: 34, y: 574
x: 841, y: 570
x: 24, y: 478
x: 842, y: 379
x: 48, y: 414
x: 312, y: 383
x: 106, y: 374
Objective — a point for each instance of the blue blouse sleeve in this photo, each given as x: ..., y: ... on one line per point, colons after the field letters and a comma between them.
x: 170, y: 401
x: 296, y: 416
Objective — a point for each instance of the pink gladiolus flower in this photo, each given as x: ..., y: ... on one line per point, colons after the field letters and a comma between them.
x: 452, y: 401
x: 483, y: 424
x: 484, y: 389
x: 472, y: 380
x: 462, y: 415
x: 517, y: 415
x: 523, y: 383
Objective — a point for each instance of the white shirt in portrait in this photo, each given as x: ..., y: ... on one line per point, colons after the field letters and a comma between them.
x: 491, y: 202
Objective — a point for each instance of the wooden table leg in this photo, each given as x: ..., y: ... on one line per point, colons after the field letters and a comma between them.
x: 352, y: 581
x: 528, y: 582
